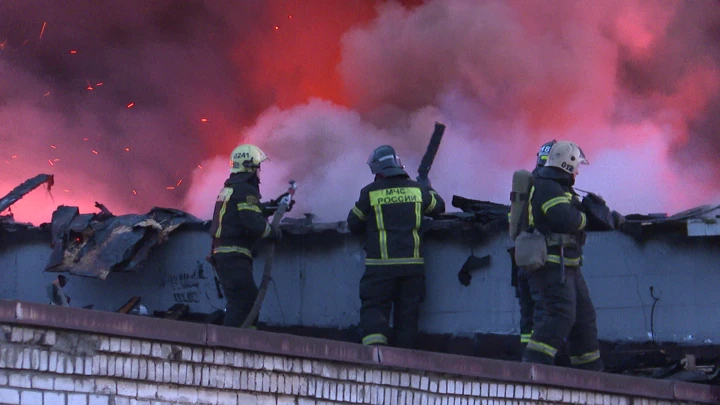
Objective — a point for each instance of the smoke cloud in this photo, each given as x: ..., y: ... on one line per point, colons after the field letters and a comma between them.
x: 317, y: 85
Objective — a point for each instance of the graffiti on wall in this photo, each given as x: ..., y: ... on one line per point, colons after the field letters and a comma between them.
x: 185, y: 286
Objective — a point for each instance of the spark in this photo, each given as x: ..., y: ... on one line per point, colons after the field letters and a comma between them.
x: 46, y: 94
x: 290, y: 17
x: 73, y: 52
x: 200, y: 167
x: 94, y: 151
x: 56, y: 160
x: 67, y: 190
x: 51, y: 162
x: 14, y: 156
x: 130, y: 105
x: 98, y: 84
x: 42, y: 30
x: 2, y: 44
x: 277, y: 28
x: 204, y: 119
x: 134, y: 192
x: 86, y: 139
x: 178, y: 183
x: 89, y: 87
x: 169, y: 188
x: 53, y: 146
x: 127, y: 149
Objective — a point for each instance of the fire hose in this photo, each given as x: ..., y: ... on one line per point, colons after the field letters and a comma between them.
x: 267, y: 269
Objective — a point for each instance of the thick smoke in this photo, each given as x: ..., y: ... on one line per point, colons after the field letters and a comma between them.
x: 319, y: 84
x: 634, y: 83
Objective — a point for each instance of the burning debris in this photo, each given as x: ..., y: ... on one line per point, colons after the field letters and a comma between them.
x: 94, y: 245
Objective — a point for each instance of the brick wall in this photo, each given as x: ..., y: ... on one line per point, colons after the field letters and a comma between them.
x: 48, y: 365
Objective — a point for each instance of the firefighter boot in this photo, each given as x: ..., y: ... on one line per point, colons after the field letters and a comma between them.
x: 534, y: 356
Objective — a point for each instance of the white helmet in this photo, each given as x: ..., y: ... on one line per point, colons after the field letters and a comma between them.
x: 246, y: 158
x: 566, y: 156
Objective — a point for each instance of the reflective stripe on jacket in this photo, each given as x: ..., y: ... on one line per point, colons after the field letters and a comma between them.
x: 555, y: 208
x: 238, y: 218
x: 390, y: 212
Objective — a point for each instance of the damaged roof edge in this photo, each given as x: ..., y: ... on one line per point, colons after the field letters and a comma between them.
x: 81, y: 320
x: 484, y: 216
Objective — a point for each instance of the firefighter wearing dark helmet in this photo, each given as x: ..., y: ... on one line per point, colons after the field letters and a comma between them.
x: 522, y: 284
x: 562, y: 295
x: 239, y: 220
x: 390, y: 214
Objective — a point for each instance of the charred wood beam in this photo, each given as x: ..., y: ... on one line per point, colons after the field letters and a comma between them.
x: 129, y: 305
x: 24, y: 188
x: 104, y: 212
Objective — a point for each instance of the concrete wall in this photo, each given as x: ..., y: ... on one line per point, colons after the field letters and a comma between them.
x: 316, y: 280
x: 56, y: 356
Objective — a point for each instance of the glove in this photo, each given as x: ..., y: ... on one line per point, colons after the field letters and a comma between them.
x: 596, y: 198
x: 283, y: 199
x: 593, y: 201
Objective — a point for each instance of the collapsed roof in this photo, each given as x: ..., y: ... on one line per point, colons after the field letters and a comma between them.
x: 96, y: 244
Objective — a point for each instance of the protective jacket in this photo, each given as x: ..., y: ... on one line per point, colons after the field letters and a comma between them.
x: 556, y: 209
x: 239, y: 218
x: 390, y: 211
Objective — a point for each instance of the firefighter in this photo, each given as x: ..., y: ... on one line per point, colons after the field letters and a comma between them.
x: 390, y: 213
x: 564, y: 309
x: 240, y: 220
x: 522, y: 286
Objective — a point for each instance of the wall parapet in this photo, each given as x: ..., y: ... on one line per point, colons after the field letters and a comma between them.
x: 129, y: 358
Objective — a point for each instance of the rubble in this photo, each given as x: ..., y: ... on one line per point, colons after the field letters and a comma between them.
x: 96, y: 244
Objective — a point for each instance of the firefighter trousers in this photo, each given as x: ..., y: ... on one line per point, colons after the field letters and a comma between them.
x: 235, y: 271
x: 398, y: 288
x: 563, y: 311
x: 527, y: 306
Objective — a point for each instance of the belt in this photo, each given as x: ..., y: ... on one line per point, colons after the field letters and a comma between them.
x: 233, y: 249
x: 568, y: 262
x: 394, y: 261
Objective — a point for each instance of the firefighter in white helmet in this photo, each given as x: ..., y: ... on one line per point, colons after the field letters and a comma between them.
x: 239, y: 220
x: 563, y: 308
x: 519, y: 278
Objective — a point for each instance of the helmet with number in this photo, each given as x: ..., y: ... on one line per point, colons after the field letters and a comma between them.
x: 566, y: 156
x: 542, y: 155
x: 246, y: 158
x: 384, y: 161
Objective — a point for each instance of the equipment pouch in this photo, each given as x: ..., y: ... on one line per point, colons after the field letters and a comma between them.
x: 530, y: 250
x: 562, y: 239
